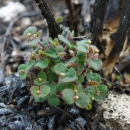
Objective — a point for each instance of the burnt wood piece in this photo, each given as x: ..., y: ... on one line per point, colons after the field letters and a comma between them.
x: 69, y: 5
x: 54, y: 29
x: 74, y: 14
x: 124, y: 65
x: 111, y: 23
x: 95, y: 123
x: 97, y: 20
x: 113, y: 14
x: 118, y: 38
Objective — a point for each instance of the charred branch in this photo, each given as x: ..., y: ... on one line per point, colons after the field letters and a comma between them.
x: 69, y: 5
x: 54, y: 29
x: 118, y: 38
x: 74, y: 14
x: 123, y: 65
x: 97, y: 19
x: 113, y: 14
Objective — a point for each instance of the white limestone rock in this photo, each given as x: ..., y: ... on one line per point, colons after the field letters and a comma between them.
x: 117, y: 111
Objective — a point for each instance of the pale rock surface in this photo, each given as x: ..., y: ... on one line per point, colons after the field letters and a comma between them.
x: 11, y: 10
x: 116, y: 111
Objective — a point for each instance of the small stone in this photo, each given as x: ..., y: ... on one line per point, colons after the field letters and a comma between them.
x: 81, y: 121
x: 74, y: 111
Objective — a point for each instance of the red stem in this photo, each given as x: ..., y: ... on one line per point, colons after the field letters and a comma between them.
x: 41, y: 45
x: 85, y: 68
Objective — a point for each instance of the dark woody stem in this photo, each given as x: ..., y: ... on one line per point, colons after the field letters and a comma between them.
x: 54, y: 29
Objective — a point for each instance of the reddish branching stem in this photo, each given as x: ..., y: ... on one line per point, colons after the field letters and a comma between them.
x: 85, y: 69
x: 41, y: 45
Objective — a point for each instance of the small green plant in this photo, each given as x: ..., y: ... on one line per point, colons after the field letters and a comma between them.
x: 57, y: 68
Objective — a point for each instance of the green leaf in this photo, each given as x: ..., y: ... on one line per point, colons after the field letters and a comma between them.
x: 82, y: 48
x: 70, y: 72
x: 70, y: 60
x: 83, y: 42
x: 30, y: 64
x: 71, y: 86
x: 83, y: 100
x: 61, y: 86
x: 56, y: 40
x: 94, y: 47
x: 53, y: 87
x: 22, y: 67
x: 53, y: 100
x: 45, y: 90
x: 80, y: 78
x: 90, y: 90
x: 58, y: 20
x: 38, y: 34
x: 60, y: 68
x: 72, y: 33
x: 42, y: 64
x: 38, y: 97
x: 80, y: 88
x: 65, y: 40
x: 33, y: 42
x: 94, y: 77
x: 70, y: 75
x: 81, y: 66
x: 22, y: 70
x: 81, y: 56
x: 59, y: 48
x: 69, y: 79
x: 52, y: 76
x: 40, y: 79
x: 31, y: 30
x: 51, y: 54
x: 68, y: 95
x: 23, y: 75
x: 102, y: 92
x: 45, y: 43
x: 42, y: 75
x: 95, y: 64
x: 34, y: 90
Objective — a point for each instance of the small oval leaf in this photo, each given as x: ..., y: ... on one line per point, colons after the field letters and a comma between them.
x: 53, y: 100
x: 95, y: 64
x: 23, y: 71
x: 82, y: 48
x: 42, y: 63
x: 83, y: 100
x: 30, y: 64
x: 45, y: 90
x: 94, y: 77
x: 60, y: 68
x: 101, y: 92
x: 64, y: 40
x: 31, y: 30
x: 51, y: 54
x: 33, y: 42
x: 22, y: 67
x: 68, y: 95
x: 58, y: 20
